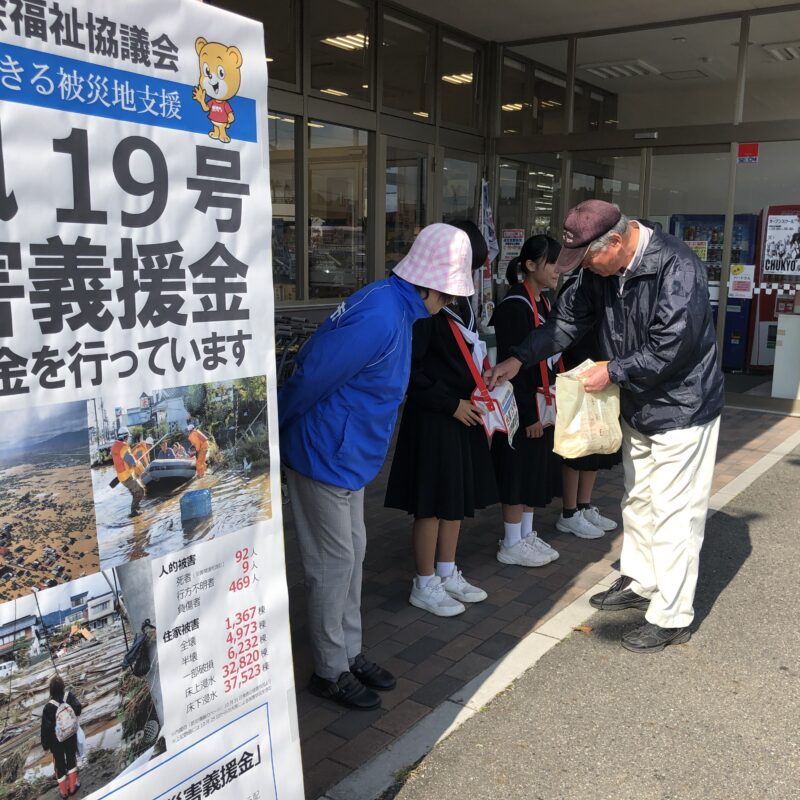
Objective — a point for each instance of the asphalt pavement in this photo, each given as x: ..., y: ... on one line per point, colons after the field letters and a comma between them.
x: 715, y: 719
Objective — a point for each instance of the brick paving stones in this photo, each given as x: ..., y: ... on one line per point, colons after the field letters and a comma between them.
x: 433, y: 657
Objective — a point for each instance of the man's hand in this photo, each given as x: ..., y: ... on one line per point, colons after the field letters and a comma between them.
x: 504, y: 371
x: 535, y: 431
x: 468, y: 414
x: 595, y: 379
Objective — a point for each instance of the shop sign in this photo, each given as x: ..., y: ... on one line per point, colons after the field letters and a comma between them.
x: 748, y: 153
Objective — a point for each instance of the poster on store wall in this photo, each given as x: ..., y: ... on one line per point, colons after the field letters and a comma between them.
x: 782, y: 242
x: 511, y: 243
x: 742, y: 281
x: 141, y: 545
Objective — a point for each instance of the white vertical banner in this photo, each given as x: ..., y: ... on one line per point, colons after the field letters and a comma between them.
x: 141, y: 536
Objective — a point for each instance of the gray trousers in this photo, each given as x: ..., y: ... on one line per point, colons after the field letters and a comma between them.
x: 333, y: 540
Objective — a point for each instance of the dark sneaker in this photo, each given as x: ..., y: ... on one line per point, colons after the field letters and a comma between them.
x: 347, y: 691
x: 651, y: 638
x: 619, y: 596
x: 371, y: 675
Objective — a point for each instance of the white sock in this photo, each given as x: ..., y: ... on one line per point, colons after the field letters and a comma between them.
x: 424, y: 580
x: 513, y: 533
x: 444, y: 569
x: 527, y: 524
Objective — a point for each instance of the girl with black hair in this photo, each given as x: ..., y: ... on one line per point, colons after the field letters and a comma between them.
x: 529, y: 473
x: 442, y: 467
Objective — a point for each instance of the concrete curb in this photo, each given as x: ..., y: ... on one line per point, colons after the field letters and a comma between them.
x: 378, y: 774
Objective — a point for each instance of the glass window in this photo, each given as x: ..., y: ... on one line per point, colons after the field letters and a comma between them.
x: 280, y: 32
x: 680, y: 75
x: 281, y: 130
x: 688, y: 196
x: 339, y: 46
x: 337, y: 180
x: 594, y: 110
x: 613, y: 178
x: 769, y: 183
x: 772, y: 85
x: 516, y: 106
x: 510, y: 196
x: 406, y: 195
x: 407, y: 53
x: 545, y: 90
x: 459, y: 64
x: 544, y: 199
x: 460, y: 189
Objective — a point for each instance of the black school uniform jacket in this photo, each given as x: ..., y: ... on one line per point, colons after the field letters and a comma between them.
x: 513, y: 321
x: 440, y: 377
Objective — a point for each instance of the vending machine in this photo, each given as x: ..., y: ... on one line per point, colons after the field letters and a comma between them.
x: 705, y: 235
x: 778, y: 281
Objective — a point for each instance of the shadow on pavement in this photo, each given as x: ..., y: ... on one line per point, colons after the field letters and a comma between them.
x: 727, y: 546
x: 725, y: 549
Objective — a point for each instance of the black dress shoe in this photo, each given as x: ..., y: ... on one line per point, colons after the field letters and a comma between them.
x: 347, y: 691
x: 650, y: 638
x: 370, y: 674
x: 619, y: 596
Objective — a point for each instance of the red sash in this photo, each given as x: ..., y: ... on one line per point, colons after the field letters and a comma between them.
x: 547, y: 392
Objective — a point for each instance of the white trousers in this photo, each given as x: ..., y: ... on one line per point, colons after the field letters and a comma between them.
x: 667, y: 487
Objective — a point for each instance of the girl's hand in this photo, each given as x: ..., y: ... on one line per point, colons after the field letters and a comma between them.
x: 535, y: 431
x: 468, y: 414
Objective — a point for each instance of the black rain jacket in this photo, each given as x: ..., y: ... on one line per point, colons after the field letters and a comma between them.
x: 657, y: 332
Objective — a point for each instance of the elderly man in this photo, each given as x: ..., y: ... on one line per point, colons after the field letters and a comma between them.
x: 647, y: 292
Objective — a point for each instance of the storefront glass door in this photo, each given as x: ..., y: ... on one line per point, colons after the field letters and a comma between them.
x: 407, y: 201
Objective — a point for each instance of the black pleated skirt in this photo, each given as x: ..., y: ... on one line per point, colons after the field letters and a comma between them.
x: 594, y: 462
x: 441, y: 468
x: 528, y: 474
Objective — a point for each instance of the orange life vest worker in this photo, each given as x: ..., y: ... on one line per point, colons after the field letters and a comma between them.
x: 198, y: 440
x: 118, y: 452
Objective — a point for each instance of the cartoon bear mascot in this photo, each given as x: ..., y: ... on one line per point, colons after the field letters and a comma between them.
x: 220, y: 79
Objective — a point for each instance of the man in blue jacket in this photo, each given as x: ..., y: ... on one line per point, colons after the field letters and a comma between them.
x: 336, y: 415
x: 647, y: 293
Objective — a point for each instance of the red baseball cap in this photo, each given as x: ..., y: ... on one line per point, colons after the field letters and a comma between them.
x: 585, y: 223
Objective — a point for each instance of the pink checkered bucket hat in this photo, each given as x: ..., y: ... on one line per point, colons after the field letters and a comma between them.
x: 441, y: 259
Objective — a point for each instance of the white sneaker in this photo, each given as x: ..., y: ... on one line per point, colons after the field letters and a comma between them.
x: 435, y: 599
x: 545, y: 548
x: 580, y: 526
x: 523, y: 553
x: 597, y: 519
x: 457, y: 586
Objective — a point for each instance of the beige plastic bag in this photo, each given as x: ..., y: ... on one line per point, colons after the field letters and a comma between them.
x: 586, y: 423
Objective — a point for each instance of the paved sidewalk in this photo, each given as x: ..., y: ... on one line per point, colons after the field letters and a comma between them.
x: 714, y: 719
x: 433, y: 658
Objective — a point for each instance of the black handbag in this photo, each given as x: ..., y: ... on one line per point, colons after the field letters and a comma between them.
x: 137, y: 659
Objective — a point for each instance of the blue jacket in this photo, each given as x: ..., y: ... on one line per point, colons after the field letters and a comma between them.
x: 337, y: 412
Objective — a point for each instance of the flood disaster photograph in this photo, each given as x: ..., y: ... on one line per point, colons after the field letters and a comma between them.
x: 47, y: 521
x: 80, y: 697
x: 177, y: 466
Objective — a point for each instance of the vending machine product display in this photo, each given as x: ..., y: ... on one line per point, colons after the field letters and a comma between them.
x: 704, y: 233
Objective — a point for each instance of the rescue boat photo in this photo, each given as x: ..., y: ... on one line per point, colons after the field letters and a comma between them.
x: 184, y: 464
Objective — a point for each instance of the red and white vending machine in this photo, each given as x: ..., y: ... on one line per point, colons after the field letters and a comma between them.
x: 777, y: 280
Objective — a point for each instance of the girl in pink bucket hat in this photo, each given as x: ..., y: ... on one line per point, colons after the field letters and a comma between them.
x: 442, y: 468
x: 336, y: 417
